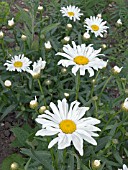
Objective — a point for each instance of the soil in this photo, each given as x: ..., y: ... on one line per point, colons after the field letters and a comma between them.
x: 6, y: 136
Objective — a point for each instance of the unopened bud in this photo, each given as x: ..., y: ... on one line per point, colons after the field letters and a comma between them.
x: 118, y: 23
x: 69, y: 26
x: 47, y: 45
x: 14, y: 166
x: 63, y: 70
x: 42, y: 109
x: 86, y: 36
x: 116, y: 69
x: 7, y: 83
x: 33, y: 103
x: 48, y: 82
x: 104, y: 46
x: 23, y: 37
x: 66, y: 39
x: 1, y: 34
x: 95, y: 98
x: 96, y: 164
x: 66, y: 95
x: 11, y: 22
x: 115, y: 141
x: 40, y: 8
x: 99, y: 15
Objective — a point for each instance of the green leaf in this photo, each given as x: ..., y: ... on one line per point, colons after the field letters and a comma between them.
x: 43, y: 157
x: 21, y: 135
x: 8, y: 110
x: 118, y: 157
x: 49, y: 28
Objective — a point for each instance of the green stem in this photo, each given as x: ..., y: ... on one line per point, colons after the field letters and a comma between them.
x: 77, y: 84
x: 104, y: 86
x: 53, y: 157
x: 92, y: 91
x: 113, y: 115
x: 3, y: 48
x: 41, y: 89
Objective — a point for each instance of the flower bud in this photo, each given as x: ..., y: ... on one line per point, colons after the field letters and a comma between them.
x: 96, y: 164
x: 86, y: 35
x: 63, y: 70
x: 23, y: 37
x: 104, y: 46
x: 48, y: 82
x: 1, y: 34
x: 42, y: 109
x: 116, y: 69
x: 14, y: 166
x: 40, y: 8
x: 95, y: 98
x: 69, y: 26
x: 47, y: 45
x: 7, y: 83
x: 33, y: 103
x: 11, y: 22
x: 99, y: 15
x: 40, y: 168
x: 126, y: 91
x: 66, y: 39
x: 125, y: 105
x: 115, y: 141
x: 118, y: 23
x: 66, y: 95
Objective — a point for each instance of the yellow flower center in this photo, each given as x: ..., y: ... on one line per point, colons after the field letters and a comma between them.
x: 67, y: 126
x: 18, y: 64
x: 81, y: 60
x: 71, y: 14
x: 95, y: 27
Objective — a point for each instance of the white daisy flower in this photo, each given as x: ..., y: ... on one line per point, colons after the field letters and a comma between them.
x: 125, y: 105
x: 37, y: 67
x: 95, y: 25
x: 72, y: 12
x: 18, y: 63
x: 116, y: 69
x: 11, y: 22
x: 69, y: 125
x: 82, y: 57
x: 124, y: 167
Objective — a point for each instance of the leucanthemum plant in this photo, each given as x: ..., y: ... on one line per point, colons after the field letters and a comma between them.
x: 96, y: 25
x: 69, y: 125
x: 18, y: 63
x: 82, y: 58
x: 72, y: 12
x: 37, y: 67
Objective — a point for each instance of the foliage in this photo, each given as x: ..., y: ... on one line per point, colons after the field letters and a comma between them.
x: 103, y: 93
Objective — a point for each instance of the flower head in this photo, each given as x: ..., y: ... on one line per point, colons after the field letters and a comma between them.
x: 124, y: 167
x: 18, y: 63
x: 70, y: 126
x: 11, y: 22
x: 48, y: 45
x: 119, y: 22
x: 72, y: 12
x: 125, y: 105
x: 33, y: 103
x: 82, y: 58
x: 37, y: 67
x: 116, y: 69
x: 96, y: 26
